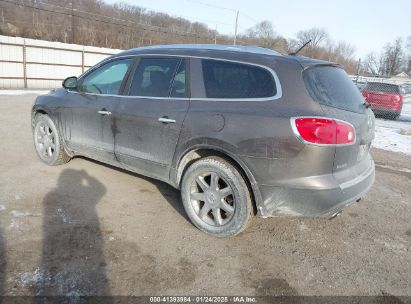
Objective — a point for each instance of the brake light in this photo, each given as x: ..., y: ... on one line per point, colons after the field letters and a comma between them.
x: 323, y: 131
x: 397, y: 98
x: 365, y: 94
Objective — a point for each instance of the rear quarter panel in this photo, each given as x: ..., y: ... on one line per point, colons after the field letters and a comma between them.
x: 258, y: 132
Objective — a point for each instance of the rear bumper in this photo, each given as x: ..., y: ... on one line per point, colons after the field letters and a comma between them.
x: 394, y: 108
x: 319, y: 200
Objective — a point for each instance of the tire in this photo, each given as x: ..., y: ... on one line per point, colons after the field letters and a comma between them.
x: 216, y: 197
x: 48, y: 142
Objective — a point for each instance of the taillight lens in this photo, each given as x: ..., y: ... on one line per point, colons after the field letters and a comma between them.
x: 323, y: 131
x: 365, y: 94
x: 397, y: 98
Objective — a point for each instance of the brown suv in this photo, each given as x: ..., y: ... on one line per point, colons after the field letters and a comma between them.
x: 240, y: 130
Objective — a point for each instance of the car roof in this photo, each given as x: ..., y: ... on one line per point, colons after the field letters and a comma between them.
x: 235, y: 52
x: 203, y: 47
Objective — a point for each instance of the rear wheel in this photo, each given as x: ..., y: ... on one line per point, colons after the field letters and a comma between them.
x: 48, y: 142
x: 216, y: 197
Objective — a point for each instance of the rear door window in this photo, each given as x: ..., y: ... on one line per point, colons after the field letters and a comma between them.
x: 159, y: 77
x: 236, y: 80
x: 331, y: 86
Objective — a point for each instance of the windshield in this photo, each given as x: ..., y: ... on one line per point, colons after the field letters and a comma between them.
x: 331, y: 86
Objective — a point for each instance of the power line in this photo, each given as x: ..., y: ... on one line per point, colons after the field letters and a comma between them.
x: 249, y: 17
x: 158, y: 30
x: 127, y: 20
x: 212, y: 5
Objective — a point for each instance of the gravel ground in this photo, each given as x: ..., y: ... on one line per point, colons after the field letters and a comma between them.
x: 88, y: 228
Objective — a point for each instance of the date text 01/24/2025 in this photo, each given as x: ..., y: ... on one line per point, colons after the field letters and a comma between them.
x: 203, y: 299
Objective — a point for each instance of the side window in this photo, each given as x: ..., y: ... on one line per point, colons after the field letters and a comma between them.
x: 106, y: 79
x: 235, y: 80
x: 156, y: 77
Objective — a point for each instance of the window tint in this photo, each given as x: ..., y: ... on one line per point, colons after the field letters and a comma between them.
x: 106, y: 79
x: 236, y: 80
x: 154, y: 77
x: 331, y: 86
x: 382, y: 87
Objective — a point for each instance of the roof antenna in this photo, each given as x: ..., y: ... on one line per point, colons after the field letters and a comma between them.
x: 304, y: 45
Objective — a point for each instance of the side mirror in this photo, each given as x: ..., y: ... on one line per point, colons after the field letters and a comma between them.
x: 70, y: 83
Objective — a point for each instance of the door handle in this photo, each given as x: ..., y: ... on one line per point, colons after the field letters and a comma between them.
x: 104, y: 112
x: 165, y: 119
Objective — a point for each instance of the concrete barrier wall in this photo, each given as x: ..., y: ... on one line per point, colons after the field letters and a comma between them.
x: 40, y: 64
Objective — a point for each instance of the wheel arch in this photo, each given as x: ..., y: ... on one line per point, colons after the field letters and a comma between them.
x: 194, y: 153
x: 36, y: 111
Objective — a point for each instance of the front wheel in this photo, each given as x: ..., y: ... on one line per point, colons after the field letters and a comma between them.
x: 216, y: 197
x: 48, y: 142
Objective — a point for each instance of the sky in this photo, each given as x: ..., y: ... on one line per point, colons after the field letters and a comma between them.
x: 366, y: 24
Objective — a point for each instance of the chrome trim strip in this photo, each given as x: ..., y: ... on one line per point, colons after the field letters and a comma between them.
x: 278, y: 95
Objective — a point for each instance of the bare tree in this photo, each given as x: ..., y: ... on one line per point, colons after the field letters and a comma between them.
x: 374, y: 64
x: 122, y: 26
x: 264, y: 32
x: 393, y: 57
x: 316, y: 35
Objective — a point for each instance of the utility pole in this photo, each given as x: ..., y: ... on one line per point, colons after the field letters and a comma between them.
x: 215, y: 35
x: 236, y: 28
x: 358, y: 69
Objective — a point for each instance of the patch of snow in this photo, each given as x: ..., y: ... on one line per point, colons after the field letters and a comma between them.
x: 2, y: 207
x: 17, y: 197
x: 406, y: 170
x: 28, y: 278
x: 13, y: 224
x: 406, y: 112
x: 393, y: 246
x: 303, y: 227
x: 22, y: 92
x: 19, y: 214
x: 65, y: 217
x: 392, y: 135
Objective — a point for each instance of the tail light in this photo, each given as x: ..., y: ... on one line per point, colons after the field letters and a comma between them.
x: 323, y: 131
x: 397, y: 99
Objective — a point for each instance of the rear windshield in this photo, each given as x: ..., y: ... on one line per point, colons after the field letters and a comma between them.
x: 331, y: 86
x: 382, y: 87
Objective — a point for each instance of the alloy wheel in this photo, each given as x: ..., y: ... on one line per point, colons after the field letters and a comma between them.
x: 45, y: 140
x: 212, y: 199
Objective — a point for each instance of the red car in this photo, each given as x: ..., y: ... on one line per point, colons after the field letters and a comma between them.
x: 385, y: 99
